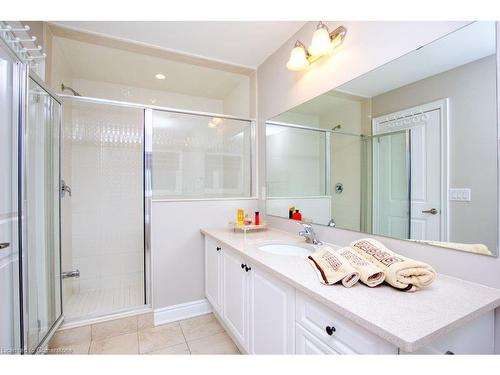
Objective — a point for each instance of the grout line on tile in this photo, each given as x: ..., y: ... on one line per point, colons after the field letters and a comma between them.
x: 185, y: 340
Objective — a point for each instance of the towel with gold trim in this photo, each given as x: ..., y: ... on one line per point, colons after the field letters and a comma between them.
x: 400, y: 272
x: 369, y: 273
x: 331, y: 267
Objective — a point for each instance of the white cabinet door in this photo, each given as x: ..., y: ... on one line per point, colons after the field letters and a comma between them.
x: 307, y: 343
x: 234, y: 296
x: 272, y: 314
x: 213, y: 274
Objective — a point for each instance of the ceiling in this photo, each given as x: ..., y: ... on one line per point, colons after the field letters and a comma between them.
x: 245, y: 43
x: 104, y: 64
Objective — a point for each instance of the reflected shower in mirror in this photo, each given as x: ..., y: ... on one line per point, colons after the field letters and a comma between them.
x: 408, y: 150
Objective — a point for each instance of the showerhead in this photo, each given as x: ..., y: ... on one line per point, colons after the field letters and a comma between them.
x: 338, y: 127
x: 64, y: 87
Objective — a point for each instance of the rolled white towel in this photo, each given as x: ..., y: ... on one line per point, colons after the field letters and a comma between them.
x: 369, y: 273
x: 331, y: 267
x: 400, y: 272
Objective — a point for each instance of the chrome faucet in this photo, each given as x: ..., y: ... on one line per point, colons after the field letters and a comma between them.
x: 309, y: 234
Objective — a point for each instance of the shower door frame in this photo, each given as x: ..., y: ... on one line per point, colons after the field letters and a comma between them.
x: 147, y: 171
x: 22, y: 177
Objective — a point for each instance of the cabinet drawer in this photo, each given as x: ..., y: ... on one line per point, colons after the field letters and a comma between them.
x: 307, y: 343
x: 476, y: 337
x: 337, y: 332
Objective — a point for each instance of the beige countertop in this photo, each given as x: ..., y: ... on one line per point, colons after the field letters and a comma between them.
x: 407, y: 320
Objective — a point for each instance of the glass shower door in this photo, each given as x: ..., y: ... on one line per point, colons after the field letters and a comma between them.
x: 391, y: 176
x: 42, y: 215
x: 10, y: 337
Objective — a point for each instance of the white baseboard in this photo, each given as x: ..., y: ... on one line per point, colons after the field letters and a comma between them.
x: 181, y: 311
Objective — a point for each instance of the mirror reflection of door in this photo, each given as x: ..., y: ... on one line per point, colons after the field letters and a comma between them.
x: 428, y: 184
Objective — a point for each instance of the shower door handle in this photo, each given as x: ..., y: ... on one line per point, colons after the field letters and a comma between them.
x: 65, y: 189
x: 68, y: 274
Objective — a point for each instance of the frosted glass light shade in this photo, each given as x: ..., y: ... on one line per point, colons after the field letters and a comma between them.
x: 321, y: 43
x: 298, y: 59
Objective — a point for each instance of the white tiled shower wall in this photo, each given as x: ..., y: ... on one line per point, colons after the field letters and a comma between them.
x: 107, y: 204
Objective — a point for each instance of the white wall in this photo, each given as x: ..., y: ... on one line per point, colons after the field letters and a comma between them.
x: 177, y: 247
x: 113, y: 91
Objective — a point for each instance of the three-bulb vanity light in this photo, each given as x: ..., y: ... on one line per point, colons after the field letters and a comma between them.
x: 323, y: 43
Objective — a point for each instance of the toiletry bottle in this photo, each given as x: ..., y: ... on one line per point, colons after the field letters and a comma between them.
x: 240, y: 217
x: 297, y: 215
x: 257, y: 218
x: 291, y: 211
x: 247, y: 220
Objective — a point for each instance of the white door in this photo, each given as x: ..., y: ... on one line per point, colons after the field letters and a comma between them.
x: 429, y: 186
x: 234, y: 296
x: 9, y: 252
x: 213, y: 273
x: 391, y: 183
x: 272, y: 314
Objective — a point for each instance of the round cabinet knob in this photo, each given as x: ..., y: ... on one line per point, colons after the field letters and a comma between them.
x: 243, y: 265
x: 330, y: 330
x: 247, y: 268
x: 218, y: 248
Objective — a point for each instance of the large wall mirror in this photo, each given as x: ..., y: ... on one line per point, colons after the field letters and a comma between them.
x: 408, y: 150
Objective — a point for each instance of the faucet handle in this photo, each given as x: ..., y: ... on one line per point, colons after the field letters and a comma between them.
x: 307, y: 227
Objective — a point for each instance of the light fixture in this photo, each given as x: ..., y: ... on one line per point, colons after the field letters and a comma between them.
x: 159, y: 76
x: 298, y: 57
x: 323, y: 43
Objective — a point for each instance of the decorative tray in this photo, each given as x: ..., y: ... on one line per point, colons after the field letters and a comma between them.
x: 247, y: 228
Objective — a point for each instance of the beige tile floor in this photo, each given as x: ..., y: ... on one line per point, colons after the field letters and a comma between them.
x: 137, y: 335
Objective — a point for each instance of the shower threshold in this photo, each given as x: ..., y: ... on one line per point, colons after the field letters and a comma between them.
x: 101, y: 305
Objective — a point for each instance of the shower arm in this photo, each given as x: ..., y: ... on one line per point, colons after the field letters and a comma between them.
x: 64, y: 87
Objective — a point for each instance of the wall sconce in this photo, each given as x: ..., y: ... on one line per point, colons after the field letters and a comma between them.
x: 322, y: 44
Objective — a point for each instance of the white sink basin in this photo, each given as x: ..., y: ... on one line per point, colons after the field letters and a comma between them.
x: 286, y: 249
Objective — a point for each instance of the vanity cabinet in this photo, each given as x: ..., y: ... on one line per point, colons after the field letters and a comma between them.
x: 213, y: 274
x: 272, y: 314
x: 258, y: 309
x: 475, y: 337
x: 234, y: 296
x: 266, y: 315
x: 339, y: 334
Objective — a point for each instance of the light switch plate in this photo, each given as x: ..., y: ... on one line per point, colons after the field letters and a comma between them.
x: 460, y: 194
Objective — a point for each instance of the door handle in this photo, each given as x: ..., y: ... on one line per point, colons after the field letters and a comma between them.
x: 4, y: 245
x: 432, y: 211
x: 65, y: 189
x: 69, y: 274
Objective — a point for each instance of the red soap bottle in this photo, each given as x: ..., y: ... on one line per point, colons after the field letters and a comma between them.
x: 297, y: 215
x: 257, y: 218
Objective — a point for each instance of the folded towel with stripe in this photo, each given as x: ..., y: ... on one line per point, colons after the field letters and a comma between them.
x: 400, y: 272
x: 369, y: 274
x: 331, y: 267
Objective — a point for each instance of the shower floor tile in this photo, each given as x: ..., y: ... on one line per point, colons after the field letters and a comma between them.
x: 100, y: 302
